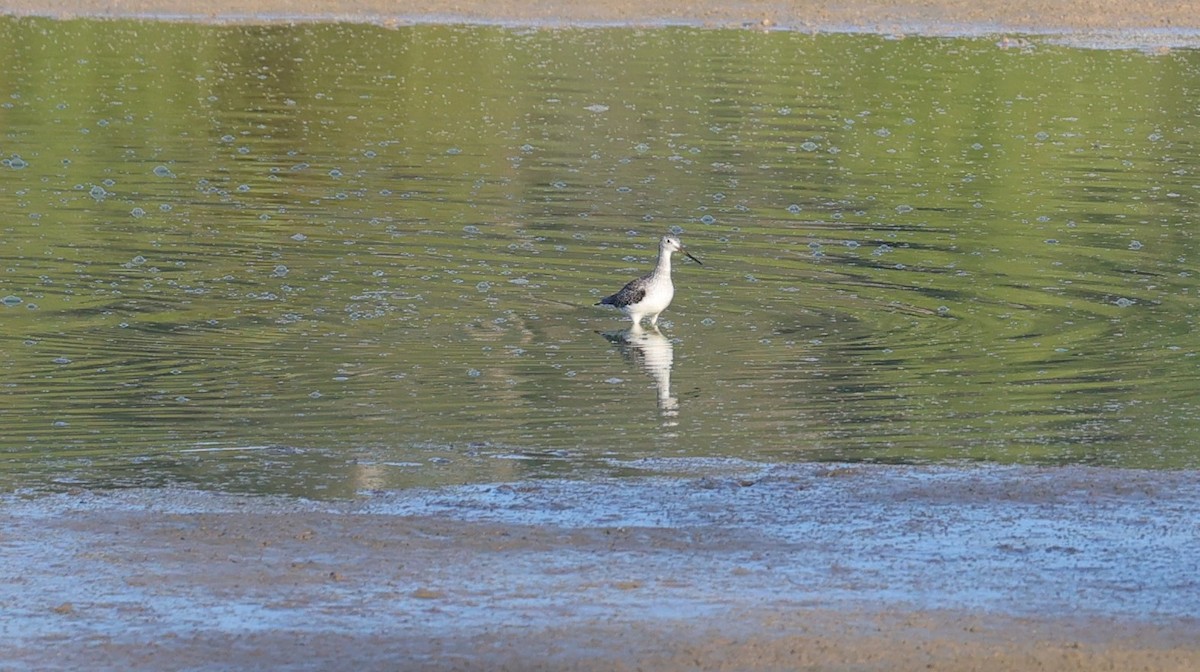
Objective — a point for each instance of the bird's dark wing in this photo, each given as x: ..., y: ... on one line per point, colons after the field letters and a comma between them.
x: 630, y: 294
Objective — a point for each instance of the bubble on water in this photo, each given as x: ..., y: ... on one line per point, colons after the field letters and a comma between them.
x: 483, y: 286
x: 97, y: 192
x: 852, y: 244
x: 943, y: 310
x: 708, y: 219
x: 1124, y: 302
x: 31, y: 306
x: 138, y: 212
x: 16, y: 162
x: 280, y: 271
x: 315, y: 394
x: 559, y: 184
x: 471, y: 229
x: 11, y: 300
x: 883, y: 132
x: 642, y: 147
x: 227, y: 138
x: 571, y: 374
x: 61, y: 423
x: 166, y: 207
x: 335, y: 173
x: 881, y: 250
x: 299, y: 237
x: 1051, y: 241
x: 474, y: 373
x: 137, y: 261
x: 624, y: 190
x: 904, y: 209
x: 182, y: 399
x: 794, y: 208
x: 61, y: 360
x: 1041, y: 136
x: 243, y: 188
x: 519, y: 281
x: 614, y: 380
x: 675, y: 229
x: 809, y: 146
x: 299, y: 166
x: 708, y: 321
x: 1135, y: 245
x: 597, y: 108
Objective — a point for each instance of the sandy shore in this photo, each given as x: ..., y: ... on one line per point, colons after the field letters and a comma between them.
x: 779, y: 568
x: 903, y: 16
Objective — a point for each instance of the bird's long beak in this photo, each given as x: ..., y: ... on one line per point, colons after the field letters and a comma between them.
x: 689, y: 256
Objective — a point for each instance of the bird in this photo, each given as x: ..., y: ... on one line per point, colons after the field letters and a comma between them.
x: 650, y: 294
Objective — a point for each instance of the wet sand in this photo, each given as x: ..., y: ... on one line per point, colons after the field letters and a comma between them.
x: 894, y: 16
x: 777, y: 568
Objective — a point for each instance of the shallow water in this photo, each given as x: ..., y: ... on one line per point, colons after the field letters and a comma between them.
x: 315, y: 259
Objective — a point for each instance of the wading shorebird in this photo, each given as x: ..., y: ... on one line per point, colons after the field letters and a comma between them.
x: 650, y: 294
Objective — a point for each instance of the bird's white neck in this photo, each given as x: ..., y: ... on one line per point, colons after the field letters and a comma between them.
x: 664, y: 262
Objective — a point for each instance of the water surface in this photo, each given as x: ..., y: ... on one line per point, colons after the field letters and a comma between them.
x: 315, y: 259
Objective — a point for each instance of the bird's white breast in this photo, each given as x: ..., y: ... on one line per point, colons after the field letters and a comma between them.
x: 658, y: 295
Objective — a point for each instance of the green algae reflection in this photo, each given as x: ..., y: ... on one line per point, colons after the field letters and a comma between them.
x: 320, y: 258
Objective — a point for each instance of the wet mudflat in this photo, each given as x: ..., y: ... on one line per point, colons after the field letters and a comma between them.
x: 724, y: 566
x: 1158, y: 20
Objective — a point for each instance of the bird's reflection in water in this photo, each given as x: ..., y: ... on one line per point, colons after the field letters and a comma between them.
x: 655, y: 354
